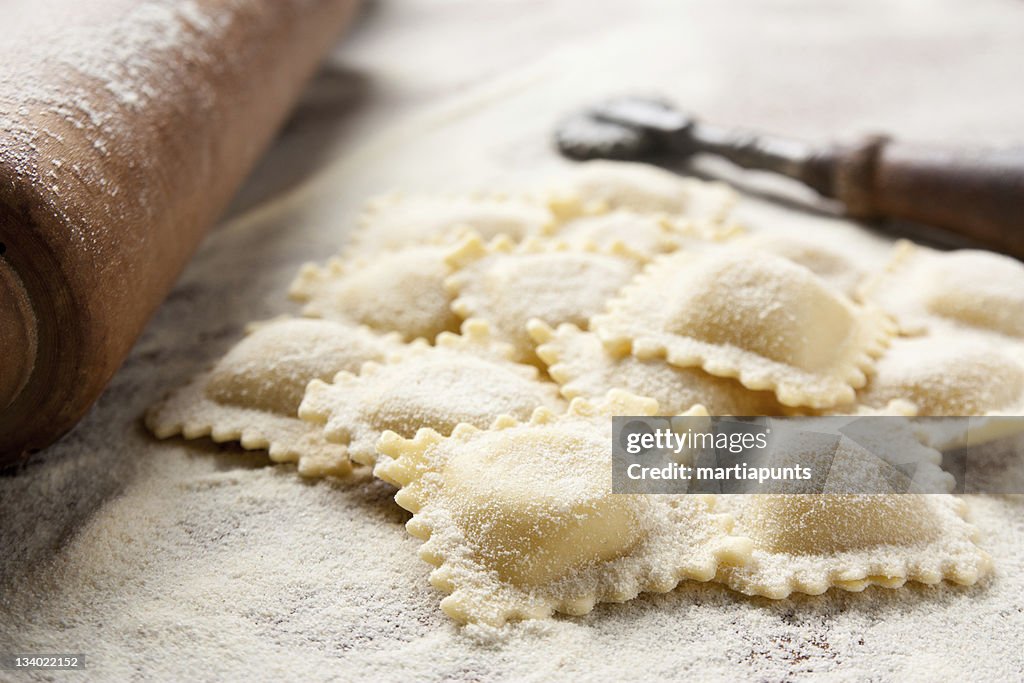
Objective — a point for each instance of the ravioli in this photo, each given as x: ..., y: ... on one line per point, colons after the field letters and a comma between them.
x: 928, y: 290
x: 600, y: 186
x: 642, y: 236
x: 398, y: 221
x: 578, y: 361
x: 463, y: 379
x: 519, y: 520
x: 398, y: 291
x: 810, y: 543
x: 835, y: 263
x: 253, y: 393
x: 762, y: 319
x: 509, y: 285
x: 950, y: 375
x: 639, y: 235
x: 854, y: 455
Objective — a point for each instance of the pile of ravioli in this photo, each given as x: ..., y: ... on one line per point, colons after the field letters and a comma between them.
x: 471, y: 350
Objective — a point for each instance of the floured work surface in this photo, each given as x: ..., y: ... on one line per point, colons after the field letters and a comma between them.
x: 131, y: 546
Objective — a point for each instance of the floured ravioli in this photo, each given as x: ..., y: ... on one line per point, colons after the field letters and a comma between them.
x: 463, y: 379
x: 584, y: 368
x: 509, y: 285
x: 640, y: 235
x: 398, y: 291
x: 253, y: 393
x: 948, y: 375
x: 852, y: 455
x: 600, y: 186
x: 930, y: 290
x: 520, y: 520
x: 397, y: 221
x: 835, y: 264
x: 809, y: 543
x: 772, y: 324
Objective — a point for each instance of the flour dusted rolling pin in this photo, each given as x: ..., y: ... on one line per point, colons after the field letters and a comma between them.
x: 125, y: 128
x: 978, y: 194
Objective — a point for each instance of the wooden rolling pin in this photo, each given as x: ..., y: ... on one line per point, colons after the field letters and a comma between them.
x: 974, y: 193
x: 125, y: 128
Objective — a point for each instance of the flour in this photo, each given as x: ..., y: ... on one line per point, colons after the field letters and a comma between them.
x: 214, y: 555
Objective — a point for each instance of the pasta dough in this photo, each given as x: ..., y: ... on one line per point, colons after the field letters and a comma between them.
x: 600, y: 186
x: 252, y: 394
x: 929, y: 290
x: 770, y: 323
x: 583, y: 367
x: 520, y: 520
x: 464, y: 379
x: 509, y: 285
x: 397, y: 221
x: 809, y: 543
x: 399, y: 291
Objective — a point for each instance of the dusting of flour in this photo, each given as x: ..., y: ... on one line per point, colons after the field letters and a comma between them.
x: 219, y: 566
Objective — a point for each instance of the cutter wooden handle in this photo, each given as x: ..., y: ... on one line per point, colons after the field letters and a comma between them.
x: 976, y: 193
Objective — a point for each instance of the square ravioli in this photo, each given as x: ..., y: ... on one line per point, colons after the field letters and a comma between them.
x: 810, y: 543
x: 443, y: 346
x: 928, y: 290
x: 466, y: 378
x: 398, y: 221
x: 252, y: 394
x: 600, y: 186
x: 770, y: 323
x: 520, y: 520
x: 508, y: 285
x: 399, y: 291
